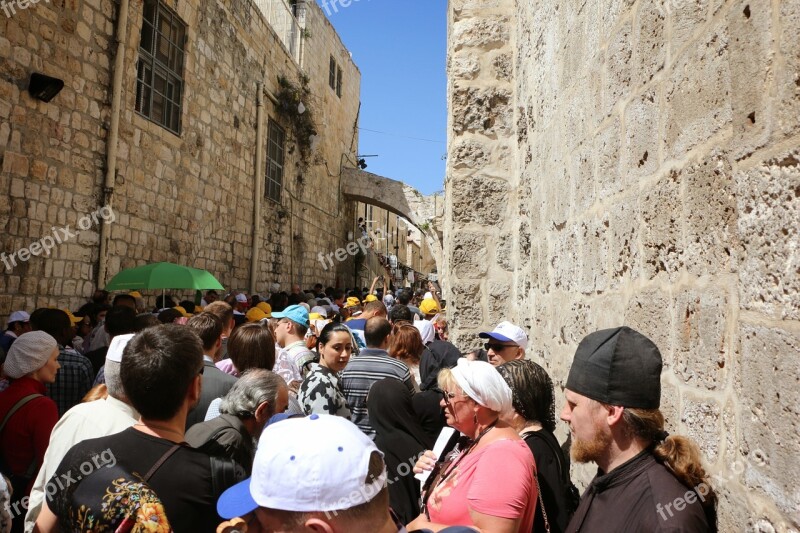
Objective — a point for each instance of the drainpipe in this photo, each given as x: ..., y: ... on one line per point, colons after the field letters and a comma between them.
x: 257, y: 191
x: 113, y: 138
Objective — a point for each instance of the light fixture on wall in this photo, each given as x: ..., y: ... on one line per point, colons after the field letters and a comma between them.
x: 349, y: 235
x: 43, y: 87
x: 362, y: 163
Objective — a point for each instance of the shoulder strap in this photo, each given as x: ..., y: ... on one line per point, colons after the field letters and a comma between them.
x: 17, y: 407
x: 161, y: 461
x: 557, y: 451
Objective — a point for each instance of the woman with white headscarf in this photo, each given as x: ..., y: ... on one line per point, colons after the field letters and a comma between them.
x: 464, y: 489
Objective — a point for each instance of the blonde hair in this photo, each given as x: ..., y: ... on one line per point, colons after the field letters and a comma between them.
x: 447, y: 380
x: 680, y: 454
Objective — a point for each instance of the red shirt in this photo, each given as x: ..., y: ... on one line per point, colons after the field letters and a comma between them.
x: 27, y: 433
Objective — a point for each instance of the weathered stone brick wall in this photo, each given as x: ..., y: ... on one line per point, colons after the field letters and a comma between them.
x: 185, y: 198
x: 636, y: 162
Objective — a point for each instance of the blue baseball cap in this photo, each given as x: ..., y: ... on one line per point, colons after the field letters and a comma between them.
x: 295, y: 313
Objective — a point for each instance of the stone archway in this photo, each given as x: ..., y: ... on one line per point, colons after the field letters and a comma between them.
x: 424, y: 212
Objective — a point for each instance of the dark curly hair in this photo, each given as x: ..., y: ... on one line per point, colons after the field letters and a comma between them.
x: 533, y: 397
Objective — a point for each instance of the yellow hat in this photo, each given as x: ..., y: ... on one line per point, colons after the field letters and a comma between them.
x: 255, y: 314
x: 72, y: 318
x: 370, y: 298
x: 429, y: 306
x: 181, y: 310
x: 135, y: 294
x: 352, y: 302
x: 198, y: 309
x: 315, y: 316
x: 264, y: 306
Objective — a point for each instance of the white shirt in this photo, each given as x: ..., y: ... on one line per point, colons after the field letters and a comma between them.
x: 84, y: 421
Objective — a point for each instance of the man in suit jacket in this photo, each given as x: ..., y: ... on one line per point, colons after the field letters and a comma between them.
x: 216, y: 383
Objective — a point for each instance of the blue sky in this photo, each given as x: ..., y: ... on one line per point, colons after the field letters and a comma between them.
x: 400, y: 48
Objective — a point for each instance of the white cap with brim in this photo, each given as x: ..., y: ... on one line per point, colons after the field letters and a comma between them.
x: 19, y: 316
x: 29, y: 353
x: 117, y: 346
x: 507, y: 332
x: 314, y: 464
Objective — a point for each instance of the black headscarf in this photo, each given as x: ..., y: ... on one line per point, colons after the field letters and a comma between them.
x: 401, y: 439
x: 438, y: 355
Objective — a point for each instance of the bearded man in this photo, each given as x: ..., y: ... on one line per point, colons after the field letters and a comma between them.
x: 646, y: 479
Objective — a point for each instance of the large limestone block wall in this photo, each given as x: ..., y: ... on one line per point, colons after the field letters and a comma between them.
x: 186, y: 198
x: 638, y: 162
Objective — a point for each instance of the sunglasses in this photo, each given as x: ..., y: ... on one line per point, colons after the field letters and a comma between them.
x: 497, y: 347
x: 447, y: 396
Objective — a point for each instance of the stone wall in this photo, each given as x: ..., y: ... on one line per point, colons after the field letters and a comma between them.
x: 185, y: 198
x: 636, y: 162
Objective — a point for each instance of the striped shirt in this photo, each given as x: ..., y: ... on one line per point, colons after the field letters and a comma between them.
x: 73, y: 380
x: 371, y: 365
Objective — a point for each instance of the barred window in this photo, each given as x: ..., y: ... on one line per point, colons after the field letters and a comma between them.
x: 332, y: 74
x: 159, y: 80
x: 276, y: 146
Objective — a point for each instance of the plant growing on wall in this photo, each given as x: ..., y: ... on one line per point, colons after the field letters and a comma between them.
x: 293, y: 104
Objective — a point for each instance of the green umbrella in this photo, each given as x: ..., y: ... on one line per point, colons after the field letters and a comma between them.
x: 163, y: 276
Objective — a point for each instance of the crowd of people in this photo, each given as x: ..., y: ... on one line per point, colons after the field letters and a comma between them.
x: 327, y: 410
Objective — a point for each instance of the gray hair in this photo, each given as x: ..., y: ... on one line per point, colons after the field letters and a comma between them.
x: 113, y: 380
x: 255, y: 387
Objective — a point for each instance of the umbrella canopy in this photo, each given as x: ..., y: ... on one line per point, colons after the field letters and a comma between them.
x: 163, y: 276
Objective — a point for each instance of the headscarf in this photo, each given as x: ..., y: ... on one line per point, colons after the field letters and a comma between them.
x: 437, y: 355
x: 29, y: 353
x: 484, y: 384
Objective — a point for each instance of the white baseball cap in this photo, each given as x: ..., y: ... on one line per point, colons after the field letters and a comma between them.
x: 241, y: 298
x: 321, y: 310
x: 117, y: 346
x: 319, y: 463
x: 19, y: 316
x: 507, y: 332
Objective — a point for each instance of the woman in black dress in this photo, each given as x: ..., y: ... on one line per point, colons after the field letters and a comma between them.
x: 534, y: 418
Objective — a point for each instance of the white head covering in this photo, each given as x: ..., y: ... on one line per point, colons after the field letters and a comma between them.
x: 426, y: 330
x: 29, y: 353
x: 484, y: 384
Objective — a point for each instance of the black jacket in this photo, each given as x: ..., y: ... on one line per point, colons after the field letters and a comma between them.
x: 216, y: 384
x: 640, y: 495
x: 224, y: 436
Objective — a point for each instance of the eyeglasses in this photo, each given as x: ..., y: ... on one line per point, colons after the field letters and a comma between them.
x: 497, y: 347
x: 447, y: 396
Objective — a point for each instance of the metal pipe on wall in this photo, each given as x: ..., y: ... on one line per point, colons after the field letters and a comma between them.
x: 113, y: 138
x: 257, y: 190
